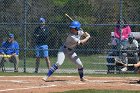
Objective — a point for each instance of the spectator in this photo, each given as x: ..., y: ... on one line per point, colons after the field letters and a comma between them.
x: 135, y: 65
x: 121, y: 33
x: 10, y: 48
x: 39, y: 37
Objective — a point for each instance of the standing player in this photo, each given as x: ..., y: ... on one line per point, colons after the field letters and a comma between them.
x: 39, y: 37
x: 67, y: 50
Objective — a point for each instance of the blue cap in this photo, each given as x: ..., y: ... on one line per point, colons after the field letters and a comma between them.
x: 11, y: 35
x: 42, y: 20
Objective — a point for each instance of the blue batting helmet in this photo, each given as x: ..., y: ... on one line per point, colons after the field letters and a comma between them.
x: 75, y: 24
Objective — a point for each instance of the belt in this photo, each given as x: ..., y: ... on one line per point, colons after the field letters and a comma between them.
x: 68, y: 48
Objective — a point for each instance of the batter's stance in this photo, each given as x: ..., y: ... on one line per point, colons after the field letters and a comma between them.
x: 67, y: 50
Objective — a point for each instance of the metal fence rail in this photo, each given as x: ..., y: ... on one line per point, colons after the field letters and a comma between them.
x: 21, y: 17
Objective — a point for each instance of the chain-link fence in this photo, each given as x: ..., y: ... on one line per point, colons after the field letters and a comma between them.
x: 98, y: 17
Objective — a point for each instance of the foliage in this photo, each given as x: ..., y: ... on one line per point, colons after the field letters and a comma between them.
x: 96, y: 16
x: 60, y: 2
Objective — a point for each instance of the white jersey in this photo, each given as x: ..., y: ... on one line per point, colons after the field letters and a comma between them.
x: 73, y: 40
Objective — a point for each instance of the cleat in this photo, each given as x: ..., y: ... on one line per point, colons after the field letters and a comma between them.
x: 45, y: 78
x: 83, y: 79
x: 124, y: 69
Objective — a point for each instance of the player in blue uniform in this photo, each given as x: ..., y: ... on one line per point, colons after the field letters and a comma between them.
x: 39, y: 37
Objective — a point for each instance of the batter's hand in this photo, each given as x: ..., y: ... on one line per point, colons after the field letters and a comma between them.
x: 85, y: 35
x: 84, y: 39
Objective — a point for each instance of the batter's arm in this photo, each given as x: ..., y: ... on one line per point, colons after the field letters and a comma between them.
x: 85, y: 39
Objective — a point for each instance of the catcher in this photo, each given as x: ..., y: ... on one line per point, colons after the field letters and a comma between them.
x: 67, y: 50
x: 130, y: 50
x: 120, y: 63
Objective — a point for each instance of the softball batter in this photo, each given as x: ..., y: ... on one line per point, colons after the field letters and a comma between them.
x: 67, y: 50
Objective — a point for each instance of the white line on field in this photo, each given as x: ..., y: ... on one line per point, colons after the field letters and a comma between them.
x: 75, y: 83
x: 28, y: 88
x: 15, y: 81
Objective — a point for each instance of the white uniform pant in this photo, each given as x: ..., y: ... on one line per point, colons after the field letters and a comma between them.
x: 64, y: 52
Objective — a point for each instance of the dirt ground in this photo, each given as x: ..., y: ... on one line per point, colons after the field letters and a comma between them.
x: 34, y: 84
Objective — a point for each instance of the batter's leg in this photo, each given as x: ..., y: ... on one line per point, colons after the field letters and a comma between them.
x: 80, y: 71
x: 60, y: 60
x: 74, y: 58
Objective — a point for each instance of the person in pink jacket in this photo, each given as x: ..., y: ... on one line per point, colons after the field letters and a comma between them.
x: 119, y: 40
x: 123, y: 33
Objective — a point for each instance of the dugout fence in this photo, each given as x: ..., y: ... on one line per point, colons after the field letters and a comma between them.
x: 98, y: 17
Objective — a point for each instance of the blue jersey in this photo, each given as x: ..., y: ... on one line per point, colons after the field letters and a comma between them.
x: 10, y: 47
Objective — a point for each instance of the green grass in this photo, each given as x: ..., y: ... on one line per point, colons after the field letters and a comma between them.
x: 86, y: 60
x: 16, y: 74
x: 68, y: 74
x: 99, y: 91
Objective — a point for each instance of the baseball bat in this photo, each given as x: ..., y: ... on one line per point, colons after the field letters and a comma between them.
x: 69, y: 17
